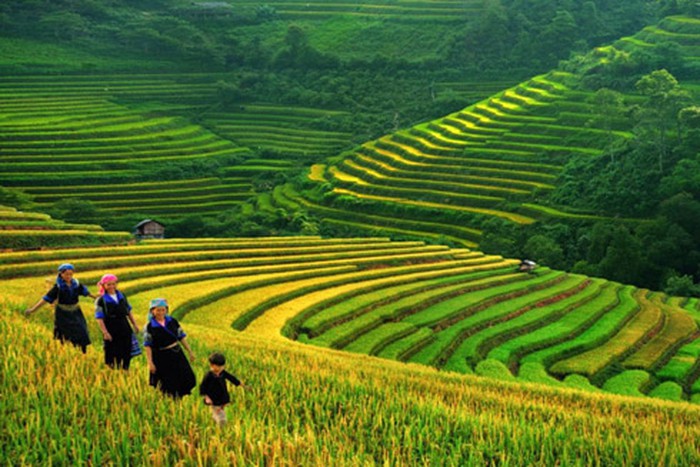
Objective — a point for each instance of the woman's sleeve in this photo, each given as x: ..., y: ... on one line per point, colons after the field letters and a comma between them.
x: 99, y: 310
x: 84, y: 290
x: 180, y: 333
x: 51, y: 295
x: 147, y: 337
x: 128, y: 305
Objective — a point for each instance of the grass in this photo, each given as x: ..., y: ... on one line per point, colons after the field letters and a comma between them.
x: 303, y: 399
x: 565, y: 296
x: 642, y: 324
x: 561, y: 330
x: 629, y: 383
x: 26, y: 230
x: 326, y: 314
x: 679, y: 367
x: 305, y: 406
x: 678, y: 326
x: 600, y: 331
x: 515, y: 218
x: 405, y: 307
x: 668, y: 390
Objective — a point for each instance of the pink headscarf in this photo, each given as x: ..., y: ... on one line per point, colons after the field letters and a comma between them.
x: 106, y: 278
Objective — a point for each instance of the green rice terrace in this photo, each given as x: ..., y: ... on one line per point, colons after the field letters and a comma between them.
x: 104, y: 147
x: 348, y: 189
x: 20, y: 229
x: 449, y: 10
x: 493, y: 159
x: 108, y: 134
x: 499, y: 158
x: 452, y: 309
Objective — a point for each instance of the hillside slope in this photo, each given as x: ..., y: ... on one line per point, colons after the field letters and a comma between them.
x: 276, y: 87
x: 497, y: 161
x: 453, y: 309
x: 307, y: 406
x: 22, y: 230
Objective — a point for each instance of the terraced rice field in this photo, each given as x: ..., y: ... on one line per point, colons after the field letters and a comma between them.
x: 442, y: 10
x: 493, y: 159
x: 305, y: 405
x: 84, y: 137
x: 453, y: 309
x: 290, y: 131
x: 20, y: 230
x: 100, y: 138
x: 497, y: 158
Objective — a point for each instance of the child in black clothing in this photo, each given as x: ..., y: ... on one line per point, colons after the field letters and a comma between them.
x: 214, y: 389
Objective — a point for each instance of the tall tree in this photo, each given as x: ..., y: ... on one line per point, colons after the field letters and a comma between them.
x: 558, y: 37
x: 656, y: 117
x: 609, y: 106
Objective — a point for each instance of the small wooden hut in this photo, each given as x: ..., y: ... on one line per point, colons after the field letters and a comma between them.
x: 149, y: 228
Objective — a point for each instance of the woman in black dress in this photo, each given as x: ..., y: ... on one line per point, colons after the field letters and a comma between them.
x: 164, y: 340
x: 69, y: 321
x: 113, y: 314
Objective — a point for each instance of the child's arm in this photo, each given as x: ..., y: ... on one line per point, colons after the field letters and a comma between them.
x: 235, y: 381
x: 86, y: 293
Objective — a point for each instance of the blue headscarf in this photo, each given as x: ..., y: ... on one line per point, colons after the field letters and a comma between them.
x: 74, y: 285
x: 156, y: 302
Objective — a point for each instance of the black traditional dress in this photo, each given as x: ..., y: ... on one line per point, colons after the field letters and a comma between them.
x: 69, y: 321
x: 174, y: 375
x: 114, y: 312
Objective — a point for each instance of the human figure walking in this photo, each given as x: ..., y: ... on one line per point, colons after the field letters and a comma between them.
x: 213, y: 387
x: 69, y: 321
x: 114, y: 316
x: 164, y: 341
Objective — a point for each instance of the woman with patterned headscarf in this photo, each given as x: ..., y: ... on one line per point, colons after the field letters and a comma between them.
x: 164, y: 341
x: 114, y: 316
x: 69, y: 321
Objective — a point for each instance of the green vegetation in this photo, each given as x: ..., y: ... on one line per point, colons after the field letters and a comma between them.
x: 416, y: 138
x: 26, y: 230
x: 562, y: 132
x: 453, y: 309
x: 308, y: 407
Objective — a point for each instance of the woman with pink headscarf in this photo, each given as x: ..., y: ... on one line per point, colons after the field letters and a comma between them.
x: 113, y: 314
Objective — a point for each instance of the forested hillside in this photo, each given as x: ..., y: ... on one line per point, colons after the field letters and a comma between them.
x: 437, y: 120
x: 347, y: 190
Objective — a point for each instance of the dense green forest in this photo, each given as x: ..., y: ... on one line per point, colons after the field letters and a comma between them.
x: 388, y: 71
x: 485, y: 36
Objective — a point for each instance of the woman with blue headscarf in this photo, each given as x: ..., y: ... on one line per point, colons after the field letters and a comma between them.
x: 164, y: 341
x: 69, y: 321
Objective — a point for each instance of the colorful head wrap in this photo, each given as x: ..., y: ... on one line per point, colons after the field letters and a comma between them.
x: 156, y: 302
x: 65, y: 267
x: 59, y: 280
x: 106, y: 278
